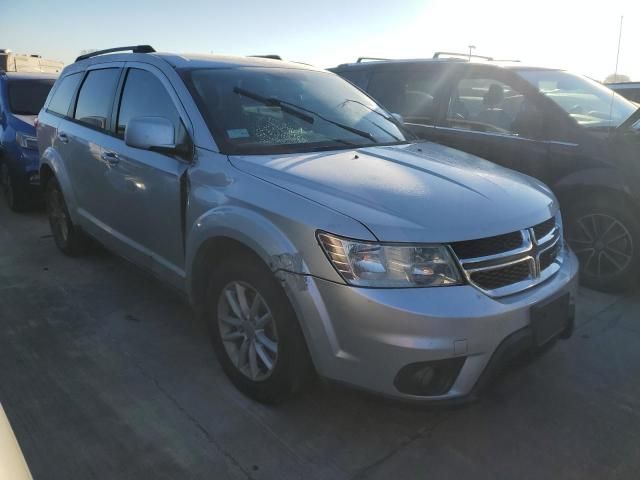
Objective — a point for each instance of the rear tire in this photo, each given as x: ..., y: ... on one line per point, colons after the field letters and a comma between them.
x: 258, y: 340
x: 68, y: 237
x: 605, y: 236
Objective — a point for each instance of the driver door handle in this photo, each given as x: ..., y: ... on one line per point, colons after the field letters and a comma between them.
x: 62, y: 137
x: 110, y: 157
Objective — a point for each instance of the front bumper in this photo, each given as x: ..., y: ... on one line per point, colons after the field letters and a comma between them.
x: 364, y: 337
x: 24, y: 168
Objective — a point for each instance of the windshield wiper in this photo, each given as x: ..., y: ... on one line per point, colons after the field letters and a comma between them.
x: 297, y: 110
x: 273, y: 102
x: 389, y: 118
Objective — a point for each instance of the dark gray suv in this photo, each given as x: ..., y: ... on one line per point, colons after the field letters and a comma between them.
x: 572, y: 133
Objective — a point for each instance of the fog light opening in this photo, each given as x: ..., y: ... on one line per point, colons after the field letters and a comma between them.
x: 428, y: 378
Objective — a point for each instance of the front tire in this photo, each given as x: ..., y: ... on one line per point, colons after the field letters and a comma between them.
x: 605, y: 236
x: 69, y: 239
x: 255, y: 332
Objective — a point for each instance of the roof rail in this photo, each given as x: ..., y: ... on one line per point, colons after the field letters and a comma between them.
x: 271, y: 56
x: 463, y: 55
x: 364, y: 59
x: 133, y: 49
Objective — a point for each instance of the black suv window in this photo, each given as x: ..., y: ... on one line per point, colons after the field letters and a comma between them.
x: 63, y: 94
x: 96, y: 97
x: 411, y: 93
x: 26, y: 97
x: 145, y: 96
x: 485, y: 104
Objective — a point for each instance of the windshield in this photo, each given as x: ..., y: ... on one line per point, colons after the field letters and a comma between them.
x: 284, y: 110
x: 26, y: 97
x: 589, y: 103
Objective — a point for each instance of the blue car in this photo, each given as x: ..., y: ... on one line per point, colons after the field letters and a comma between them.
x: 21, y: 98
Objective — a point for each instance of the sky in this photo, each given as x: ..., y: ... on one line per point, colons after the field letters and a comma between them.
x: 581, y: 36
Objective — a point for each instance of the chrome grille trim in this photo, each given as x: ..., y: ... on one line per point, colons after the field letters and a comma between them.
x: 530, y: 251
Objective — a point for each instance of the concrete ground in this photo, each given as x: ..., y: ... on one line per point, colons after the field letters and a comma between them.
x: 105, y: 374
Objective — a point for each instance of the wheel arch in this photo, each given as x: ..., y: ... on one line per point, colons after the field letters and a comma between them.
x: 231, y: 231
x: 52, y: 165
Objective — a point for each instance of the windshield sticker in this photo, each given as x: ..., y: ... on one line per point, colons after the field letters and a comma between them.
x: 238, y: 133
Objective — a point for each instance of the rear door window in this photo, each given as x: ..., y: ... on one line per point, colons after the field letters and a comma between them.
x: 95, y: 99
x: 144, y: 95
x: 63, y: 94
x: 409, y: 92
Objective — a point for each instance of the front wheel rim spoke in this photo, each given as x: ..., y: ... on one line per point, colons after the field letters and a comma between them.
x: 243, y: 315
x: 233, y: 321
x: 263, y: 356
x: 235, y: 308
x: 233, y: 336
x: 267, y: 342
x: 263, y: 321
x: 612, y: 260
x: 242, y: 354
x: 586, y: 231
x: 241, y: 295
x: 253, y: 361
x: 615, y: 251
x: 618, y: 238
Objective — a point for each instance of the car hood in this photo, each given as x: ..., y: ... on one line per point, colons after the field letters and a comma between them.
x: 411, y: 193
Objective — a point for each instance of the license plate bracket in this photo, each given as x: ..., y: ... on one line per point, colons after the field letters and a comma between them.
x: 549, y: 319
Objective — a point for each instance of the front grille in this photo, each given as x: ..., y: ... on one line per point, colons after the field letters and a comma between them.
x: 544, y: 228
x: 511, y: 262
x: 549, y: 256
x: 484, y: 247
x: 502, y: 277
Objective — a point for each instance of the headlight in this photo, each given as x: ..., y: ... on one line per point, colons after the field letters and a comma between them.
x: 368, y: 264
x: 26, y: 141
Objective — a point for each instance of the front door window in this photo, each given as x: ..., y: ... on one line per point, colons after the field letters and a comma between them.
x: 484, y: 104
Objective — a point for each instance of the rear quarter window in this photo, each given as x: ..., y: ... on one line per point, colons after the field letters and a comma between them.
x: 359, y: 78
x: 63, y: 94
x: 26, y: 97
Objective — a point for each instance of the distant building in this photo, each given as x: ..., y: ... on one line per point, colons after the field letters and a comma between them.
x: 11, y: 62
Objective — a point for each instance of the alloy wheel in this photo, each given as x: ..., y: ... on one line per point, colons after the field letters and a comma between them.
x: 248, y: 330
x: 603, y: 244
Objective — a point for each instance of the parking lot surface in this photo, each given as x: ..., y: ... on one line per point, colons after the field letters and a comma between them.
x: 105, y: 374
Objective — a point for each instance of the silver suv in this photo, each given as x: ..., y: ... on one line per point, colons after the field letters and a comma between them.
x: 306, y: 226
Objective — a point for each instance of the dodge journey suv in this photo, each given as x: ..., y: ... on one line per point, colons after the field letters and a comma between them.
x: 572, y: 133
x: 309, y: 230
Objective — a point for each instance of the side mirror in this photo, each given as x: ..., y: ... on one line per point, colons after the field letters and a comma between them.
x: 398, y: 117
x: 150, y: 133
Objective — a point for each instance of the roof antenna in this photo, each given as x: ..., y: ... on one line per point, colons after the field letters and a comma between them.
x: 615, y: 75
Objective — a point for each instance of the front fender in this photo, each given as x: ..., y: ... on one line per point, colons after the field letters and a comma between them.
x: 268, y: 240
x: 591, y: 180
x: 248, y: 228
x: 51, y: 158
